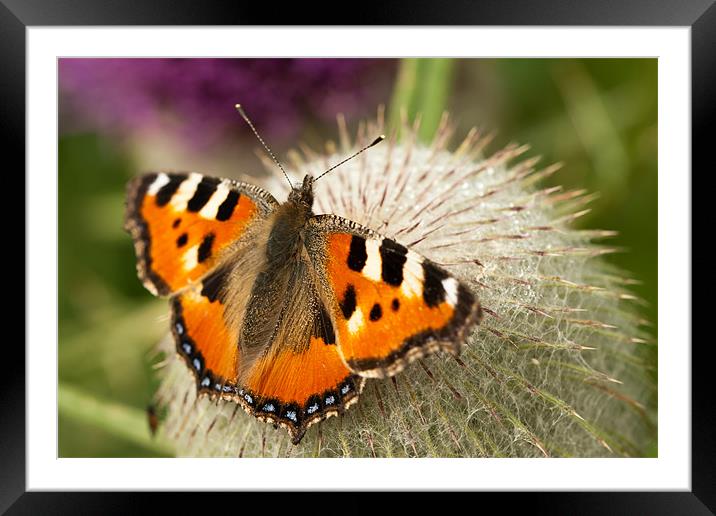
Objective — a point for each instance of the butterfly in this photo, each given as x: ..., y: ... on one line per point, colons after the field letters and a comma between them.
x: 281, y: 310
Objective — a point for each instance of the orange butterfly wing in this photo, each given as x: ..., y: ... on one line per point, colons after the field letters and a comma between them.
x: 202, y: 337
x: 300, y: 378
x: 290, y: 386
x: 297, y: 390
x: 181, y: 223
x: 390, y: 305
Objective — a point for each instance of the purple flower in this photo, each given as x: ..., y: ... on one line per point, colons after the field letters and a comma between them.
x: 193, y: 99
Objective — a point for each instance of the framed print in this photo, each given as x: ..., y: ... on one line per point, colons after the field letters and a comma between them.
x: 423, y: 257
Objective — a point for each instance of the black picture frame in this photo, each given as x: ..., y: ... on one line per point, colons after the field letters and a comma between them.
x: 17, y: 15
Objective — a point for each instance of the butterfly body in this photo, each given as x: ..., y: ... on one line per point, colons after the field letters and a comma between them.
x: 283, y: 311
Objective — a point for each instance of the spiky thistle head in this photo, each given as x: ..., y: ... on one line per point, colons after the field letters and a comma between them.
x: 557, y: 367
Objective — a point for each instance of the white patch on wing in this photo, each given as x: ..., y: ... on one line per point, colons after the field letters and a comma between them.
x: 212, y: 207
x: 450, y: 285
x: 373, y: 265
x: 413, y: 277
x: 191, y: 258
x: 157, y: 184
x: 185, y: 191
x: 356, y: 321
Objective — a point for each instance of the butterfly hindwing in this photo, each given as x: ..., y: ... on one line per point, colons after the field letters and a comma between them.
x: 389, y: 304
x: 298, y: 379
x: 297, y: 389
x: 207, y: 344
x: 182, y: 222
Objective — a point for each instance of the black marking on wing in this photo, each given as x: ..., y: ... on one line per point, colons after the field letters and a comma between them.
x: 322, y: 326
x: 433, y: 290
x: 212, y: 285
x: 348, y: 303
x: 376, y: 312
x: 204, y: 190
x: 392, y: 257
x: 357, y: 255
x: 204, y: 252
x: 226, y: 208
x: 166, y: 192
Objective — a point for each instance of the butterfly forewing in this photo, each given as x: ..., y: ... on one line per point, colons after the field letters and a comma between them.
x: 181, y: 224
x: 389, y: 304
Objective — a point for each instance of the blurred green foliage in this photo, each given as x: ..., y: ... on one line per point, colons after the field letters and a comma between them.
x: 108, y: 324
x: 422, y: 87
x: 597, y: 116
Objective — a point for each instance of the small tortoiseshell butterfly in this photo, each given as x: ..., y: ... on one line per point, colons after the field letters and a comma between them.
x: 281, y: 310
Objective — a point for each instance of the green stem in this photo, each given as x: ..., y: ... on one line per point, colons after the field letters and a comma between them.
x: 404, y: 92
x: 124, y: 422
x: 436, y: 75
x: 422, y: 86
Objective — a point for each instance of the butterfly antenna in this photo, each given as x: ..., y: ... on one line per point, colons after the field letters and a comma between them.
x: 375, y: 142
x: 241, y: 112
